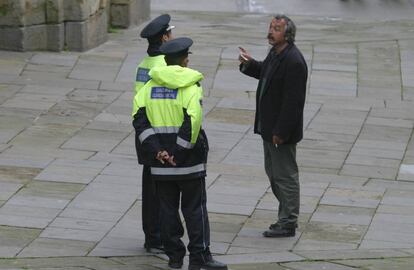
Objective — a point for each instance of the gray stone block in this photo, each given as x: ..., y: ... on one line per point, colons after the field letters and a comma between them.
x: 12, y: 39
x: 81, y: 36
x: 38, y: 24
x: 55, y: 37
x: 143, y: 10
x: 34, y: 12
x: 120, y: 16
x: 126, y: 13
x: 36, y: 37
x: 75, y: 35
x: 17, y: 13
x: 11, y: 12
x: 75, y: 10
x: 54, y: 11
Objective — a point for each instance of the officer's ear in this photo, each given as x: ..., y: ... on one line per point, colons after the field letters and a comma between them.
x: 184, y: 61
x: 166, y: 36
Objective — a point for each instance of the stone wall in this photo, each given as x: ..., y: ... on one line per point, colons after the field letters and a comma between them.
x: 75, y: 25
x: 126, y: 13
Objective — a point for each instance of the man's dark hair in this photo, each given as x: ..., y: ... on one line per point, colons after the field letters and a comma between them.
x: 175, y: 59
x: 290, y: 30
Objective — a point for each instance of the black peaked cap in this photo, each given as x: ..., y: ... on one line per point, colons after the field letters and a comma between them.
x: 157, y: 26
x: 177, y: 46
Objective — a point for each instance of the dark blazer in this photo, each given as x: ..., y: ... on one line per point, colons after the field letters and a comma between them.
x: 280, y: 107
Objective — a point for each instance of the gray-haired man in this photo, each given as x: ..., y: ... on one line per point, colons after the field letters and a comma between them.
x: 280, y: 99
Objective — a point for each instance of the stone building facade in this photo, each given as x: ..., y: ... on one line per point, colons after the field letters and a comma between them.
x: 56, y: 25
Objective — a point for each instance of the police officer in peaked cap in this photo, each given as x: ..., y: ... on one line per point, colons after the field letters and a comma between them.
x: 168, y: 122
x: 157, y: 32
x: 157, y: 26
x: 178, y: 46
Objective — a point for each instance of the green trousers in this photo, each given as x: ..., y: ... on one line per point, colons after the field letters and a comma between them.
x: 282, y: 170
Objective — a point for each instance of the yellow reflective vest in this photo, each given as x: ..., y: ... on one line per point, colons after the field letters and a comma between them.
x: 142, y: 72
x: 168, y: 116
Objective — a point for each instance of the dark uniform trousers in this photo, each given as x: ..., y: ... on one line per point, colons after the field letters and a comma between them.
x: 150, y: 210
x: 193, y: 207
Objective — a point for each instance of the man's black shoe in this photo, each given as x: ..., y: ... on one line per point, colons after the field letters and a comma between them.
x: 277, y: 231
x: 154, y: 248
x: 175, y: 264
x: 211, y: 264
x: 278, y: 225
x: 274, y: 226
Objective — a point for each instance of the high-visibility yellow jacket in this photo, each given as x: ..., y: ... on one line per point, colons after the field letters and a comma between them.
x: 142, y: 76
x: 168, y: 116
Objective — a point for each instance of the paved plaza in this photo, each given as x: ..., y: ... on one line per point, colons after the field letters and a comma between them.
x: 70, y: 186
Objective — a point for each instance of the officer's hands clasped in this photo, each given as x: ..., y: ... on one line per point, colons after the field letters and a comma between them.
x: 163, y: 156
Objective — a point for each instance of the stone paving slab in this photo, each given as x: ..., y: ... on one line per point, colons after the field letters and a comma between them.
x: 97, y: 67
x: 41, y: 263
x: 351, y: 254
x: 310, y: 244
x: 11, y: 67
x: 71, y: 113
x: 14, y: 239
x: 62, y: 171
x: 47, y: 247
x: 333, y: 83
x: 95, y: 140
x: 366, y: 160
x: 260, y: 258
x: 376, y: 244
x: 317, y: 266
x: 352, y: 197
x: 45, y: 153
x: 95, y: 96
x: 397, y: 263
x: 370, y: 171
x: 343, y: 215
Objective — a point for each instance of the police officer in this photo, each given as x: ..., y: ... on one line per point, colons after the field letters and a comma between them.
x: 156, y: 32
x: 168, y: 123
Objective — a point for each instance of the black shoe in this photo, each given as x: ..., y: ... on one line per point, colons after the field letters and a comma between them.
x: 278, y: 231
x: 175, y: 264
x: 154, y: 248
x: 274, y: 226
x: 278, y: 225
x: 211, y: 264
